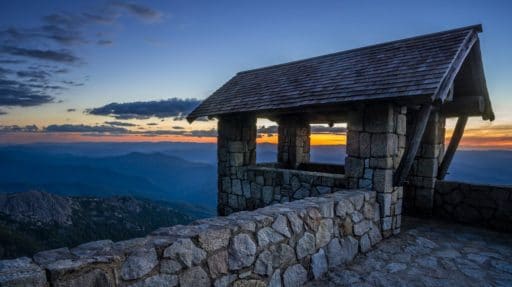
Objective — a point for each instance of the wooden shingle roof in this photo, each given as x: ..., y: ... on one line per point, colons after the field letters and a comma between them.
x: 422, y: 68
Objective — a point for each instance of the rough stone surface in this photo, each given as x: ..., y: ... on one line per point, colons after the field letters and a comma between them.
x: 186, y: 251
x: 475, y: 204
x: 263, y: 265
x: 267, y: 236
x: 139, y: 263
x: 319, y: 264
x: 218, y: 264
x: 48, y: 256
x: 214, y: 239
x: 170, y: 266
x: 21, y: 272
x: 242, y: 252
x: 161, y: 280
x: 275, y: 280
x: 421, y: 256
x: 281, y: 226
x: 295, y: 276
x: 324, y: 233
x: 306, y: 245
x: 91, y: 278
x: 194, y: 277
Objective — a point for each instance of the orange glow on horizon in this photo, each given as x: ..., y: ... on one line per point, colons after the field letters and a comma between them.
x: 498, y: 137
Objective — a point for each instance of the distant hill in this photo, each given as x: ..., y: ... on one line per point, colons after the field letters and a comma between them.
x: 34, y: 221
x: 155, y: 175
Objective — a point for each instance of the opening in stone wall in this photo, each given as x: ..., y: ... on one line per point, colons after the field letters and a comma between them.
x: 266, y: 141
x: 327, y: 148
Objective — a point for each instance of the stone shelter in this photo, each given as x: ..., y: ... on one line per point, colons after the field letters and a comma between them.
x: 293, y: 221
x: 394, y: 97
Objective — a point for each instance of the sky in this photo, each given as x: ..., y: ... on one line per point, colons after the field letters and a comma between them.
x: 130, y: 71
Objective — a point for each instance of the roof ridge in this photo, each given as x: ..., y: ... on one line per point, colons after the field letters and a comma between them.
x: 477, y: 27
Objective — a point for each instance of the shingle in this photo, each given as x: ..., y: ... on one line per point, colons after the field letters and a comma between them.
x: 406, y: 68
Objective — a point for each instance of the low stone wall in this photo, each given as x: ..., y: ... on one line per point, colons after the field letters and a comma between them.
x: 476, y: 204
x: 280, y: 245
x: 262, y: 185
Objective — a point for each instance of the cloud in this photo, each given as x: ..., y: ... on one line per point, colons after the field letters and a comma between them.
x: 54, y: 40
x: 173, y: 107
x: 73, y: 83
x: 193, y: 133
x: 34, y: 74
x: 328, y: 130
x: 104, y: 42
x: 61, y: 56
x: 14, y: 93
x: 2, y: 112
x: 120, y: 124
x: 267, y: 130
x: 16, y: 128
x: 84, y: 129
x: 10, y: 61
x: 143, y: 12
x: 71, y: 110
x: 204, y: 133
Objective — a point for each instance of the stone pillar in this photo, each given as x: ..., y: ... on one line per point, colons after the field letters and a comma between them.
x: 236, y: 148
x: 375, y: 145
x: 293, y: 141
x: 419, y: 190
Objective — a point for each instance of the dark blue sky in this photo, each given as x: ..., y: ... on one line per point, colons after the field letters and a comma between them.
x: 152, y: 50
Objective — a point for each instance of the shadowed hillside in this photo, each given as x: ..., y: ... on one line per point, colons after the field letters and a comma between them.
x: 33, y: 221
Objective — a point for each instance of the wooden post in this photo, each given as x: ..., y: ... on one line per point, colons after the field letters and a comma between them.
x: 413, y: 146
x: 452, y: 147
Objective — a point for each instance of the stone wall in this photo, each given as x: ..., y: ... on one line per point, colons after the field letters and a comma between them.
x: 375, y: 146
x: 236, y: 148
x: 261, y: 185
x: 419, y: 190
x: 280, y: 245
x: 293, y: 145
x: 483, y: 205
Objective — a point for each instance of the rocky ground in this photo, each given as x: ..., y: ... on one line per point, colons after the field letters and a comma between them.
x: 431, y: 254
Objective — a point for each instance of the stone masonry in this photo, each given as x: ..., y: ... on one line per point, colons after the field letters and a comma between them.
x: 294, y: 141
x: 263, y: 186
x: 476, y: 204
x: 236, y: 148
x: 419, y: 190
x: 279, y: 245
x: 375, y: 145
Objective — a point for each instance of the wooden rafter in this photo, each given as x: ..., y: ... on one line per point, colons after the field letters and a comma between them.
x: 412, y: 148
x: 452, y: 147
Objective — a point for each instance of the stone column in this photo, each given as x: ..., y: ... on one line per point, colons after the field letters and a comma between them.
x: 293, y: 141
x: 419, y: 190
x: 375, y: 145
x: 236, y: 148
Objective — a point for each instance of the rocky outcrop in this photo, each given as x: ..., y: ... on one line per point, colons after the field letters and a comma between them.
x: 279, y: 245
x: 36, y: 206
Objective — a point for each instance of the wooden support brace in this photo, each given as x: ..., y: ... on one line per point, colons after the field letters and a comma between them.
x: 412, y: 148
x: 452, y: 147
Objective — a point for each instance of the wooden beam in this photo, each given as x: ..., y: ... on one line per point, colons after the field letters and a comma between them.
x: 452, y: 147
x: 467, y: 106
x: 414, y: 143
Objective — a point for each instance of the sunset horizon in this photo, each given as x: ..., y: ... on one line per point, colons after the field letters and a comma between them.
x: 71, y: 73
